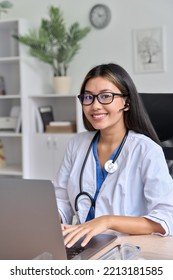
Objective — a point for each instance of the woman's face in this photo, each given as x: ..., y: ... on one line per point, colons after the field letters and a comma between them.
x: 101, y: 116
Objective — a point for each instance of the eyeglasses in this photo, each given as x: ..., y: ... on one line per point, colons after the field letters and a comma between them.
x: 103, y: 97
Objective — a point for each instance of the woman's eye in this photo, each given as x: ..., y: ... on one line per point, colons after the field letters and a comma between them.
x: 88, y: 97
x: 105, y: 96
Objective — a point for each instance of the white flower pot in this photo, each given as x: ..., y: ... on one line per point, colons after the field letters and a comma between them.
x: 62, y: 85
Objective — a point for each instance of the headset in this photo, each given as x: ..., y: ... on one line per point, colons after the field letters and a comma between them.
x: 126, y: 105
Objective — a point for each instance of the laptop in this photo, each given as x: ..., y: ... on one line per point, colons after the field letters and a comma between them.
x: 29, y: 223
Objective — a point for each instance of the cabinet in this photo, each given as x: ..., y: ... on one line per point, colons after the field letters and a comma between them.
x: 47, y: 154
x: 46, y: 149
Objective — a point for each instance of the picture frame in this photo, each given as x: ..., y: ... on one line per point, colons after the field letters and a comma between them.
x: 149, y: 50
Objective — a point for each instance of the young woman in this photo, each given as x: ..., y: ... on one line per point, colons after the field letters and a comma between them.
x: 114, y: 175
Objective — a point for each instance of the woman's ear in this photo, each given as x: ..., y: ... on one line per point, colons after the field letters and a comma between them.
x: 126, y: 106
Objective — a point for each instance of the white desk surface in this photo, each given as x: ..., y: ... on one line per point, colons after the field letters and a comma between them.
x: 153, y: 247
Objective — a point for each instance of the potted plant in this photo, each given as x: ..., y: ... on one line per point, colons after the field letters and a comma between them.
x: 53, y: 43
x: 4, y: 6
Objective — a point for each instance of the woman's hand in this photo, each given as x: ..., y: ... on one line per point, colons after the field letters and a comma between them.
x: 123, y: 224
x: 89, y: 229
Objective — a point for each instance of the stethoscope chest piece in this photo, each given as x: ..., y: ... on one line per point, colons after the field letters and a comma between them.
x: 111, y: 166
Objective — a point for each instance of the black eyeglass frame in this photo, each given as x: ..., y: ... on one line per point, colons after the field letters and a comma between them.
x: 97, y: 96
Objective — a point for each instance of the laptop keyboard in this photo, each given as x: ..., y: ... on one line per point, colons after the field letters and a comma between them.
x: 95, y: 245
x: 74, y: 251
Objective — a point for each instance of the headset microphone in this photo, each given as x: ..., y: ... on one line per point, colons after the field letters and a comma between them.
x: 126, y: 105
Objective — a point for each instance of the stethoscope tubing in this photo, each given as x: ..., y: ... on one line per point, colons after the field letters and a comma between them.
x: 81, y: 192
x: 81, y: 177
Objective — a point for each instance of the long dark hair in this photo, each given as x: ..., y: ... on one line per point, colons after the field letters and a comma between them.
x: 136, y: 118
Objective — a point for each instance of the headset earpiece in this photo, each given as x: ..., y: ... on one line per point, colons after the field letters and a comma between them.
x: 126, y: 105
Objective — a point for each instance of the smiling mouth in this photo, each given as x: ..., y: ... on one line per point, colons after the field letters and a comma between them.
x: 99, y: 116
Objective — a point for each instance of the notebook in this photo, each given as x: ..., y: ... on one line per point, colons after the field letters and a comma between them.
x: 29, y: 223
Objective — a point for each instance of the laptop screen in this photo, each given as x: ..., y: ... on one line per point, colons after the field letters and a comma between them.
x: 29, y: 220
x: 30, y: 225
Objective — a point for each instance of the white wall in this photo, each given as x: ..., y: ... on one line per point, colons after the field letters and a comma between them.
x: 114, y: 43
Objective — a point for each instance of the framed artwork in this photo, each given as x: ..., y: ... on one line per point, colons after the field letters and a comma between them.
x: 148, y: 50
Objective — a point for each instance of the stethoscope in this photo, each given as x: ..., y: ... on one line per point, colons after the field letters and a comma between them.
x: 110, y: 166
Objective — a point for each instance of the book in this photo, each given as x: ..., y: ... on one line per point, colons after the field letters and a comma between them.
x: 46, y: 113
x: 60, y: 123
x: 38, y: 121
x: 16, y: 113
x: 61, y: 127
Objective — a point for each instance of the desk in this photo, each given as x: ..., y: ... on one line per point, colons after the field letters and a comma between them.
x: 153, y: 247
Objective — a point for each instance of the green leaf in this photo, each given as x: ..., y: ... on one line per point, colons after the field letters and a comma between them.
x: 52, y: 42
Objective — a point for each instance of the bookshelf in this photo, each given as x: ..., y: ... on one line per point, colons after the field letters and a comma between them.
x: 47, y: 149
x: 31, y: 152
x: 10, y: 62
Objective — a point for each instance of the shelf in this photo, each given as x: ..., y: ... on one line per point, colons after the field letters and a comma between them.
x: 9, y: 59
x: 10, y: 134
x: 8, y: 22
x: 11, y: 170
x: 10, y: 96
x: 54, y: 95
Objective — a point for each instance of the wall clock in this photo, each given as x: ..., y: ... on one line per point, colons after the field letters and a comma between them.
x: 100, y: 16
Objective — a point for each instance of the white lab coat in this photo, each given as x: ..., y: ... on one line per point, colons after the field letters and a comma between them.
x: 142, y: 185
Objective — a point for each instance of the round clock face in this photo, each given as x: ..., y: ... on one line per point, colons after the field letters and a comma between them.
x: 100, y: 16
